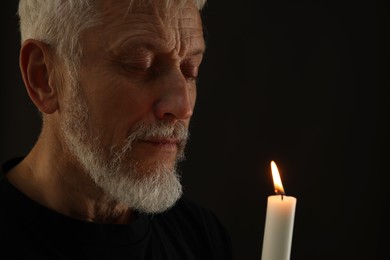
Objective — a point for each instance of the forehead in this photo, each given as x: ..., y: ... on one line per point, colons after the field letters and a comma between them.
x: 176, y: 27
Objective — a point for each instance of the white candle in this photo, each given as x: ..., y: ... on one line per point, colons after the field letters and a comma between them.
x: 279, y: 222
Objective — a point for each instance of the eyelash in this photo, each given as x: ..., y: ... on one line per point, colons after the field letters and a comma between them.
x: 189, y: 70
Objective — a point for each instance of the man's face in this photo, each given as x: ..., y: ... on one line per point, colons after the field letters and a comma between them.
x: 128, y: 119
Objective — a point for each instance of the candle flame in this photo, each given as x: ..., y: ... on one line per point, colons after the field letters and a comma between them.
x: 276, y: 177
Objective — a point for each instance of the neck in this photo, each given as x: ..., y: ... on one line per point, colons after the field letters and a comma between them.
x: 52, y: 177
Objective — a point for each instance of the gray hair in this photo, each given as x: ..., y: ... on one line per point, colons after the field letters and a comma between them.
x: 59, y: 23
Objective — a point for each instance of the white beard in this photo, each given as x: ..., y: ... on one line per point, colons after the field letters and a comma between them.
x: 144, y: 188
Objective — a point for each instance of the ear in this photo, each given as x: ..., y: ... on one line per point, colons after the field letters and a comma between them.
x: 36, y: 65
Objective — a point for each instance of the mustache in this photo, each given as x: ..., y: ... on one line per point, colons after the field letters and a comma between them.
x: 157, y: 130
x: 160, y: 130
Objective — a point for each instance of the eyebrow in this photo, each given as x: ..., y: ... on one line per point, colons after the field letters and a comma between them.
x: 152, y: 45
x: 196, y: 52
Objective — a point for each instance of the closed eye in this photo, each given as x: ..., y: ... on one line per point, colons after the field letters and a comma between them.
x: 189, y: 71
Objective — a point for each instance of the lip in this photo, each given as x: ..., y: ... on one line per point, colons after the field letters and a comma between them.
x: 163, y: 143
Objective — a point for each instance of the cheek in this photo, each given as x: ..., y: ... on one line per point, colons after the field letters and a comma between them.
x: 124, y: 105
x: 115, y: 108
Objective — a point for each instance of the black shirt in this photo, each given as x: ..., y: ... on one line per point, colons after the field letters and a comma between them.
x: 30, y: 231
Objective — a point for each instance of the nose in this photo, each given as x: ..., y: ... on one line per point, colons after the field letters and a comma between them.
x: 177, y: 97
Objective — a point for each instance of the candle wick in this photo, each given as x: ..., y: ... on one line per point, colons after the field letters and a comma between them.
x: 281, y: 193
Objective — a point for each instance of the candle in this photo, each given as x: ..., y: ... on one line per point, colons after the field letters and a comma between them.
x: 279, y: 222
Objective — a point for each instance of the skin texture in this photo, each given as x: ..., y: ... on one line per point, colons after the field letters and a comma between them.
x: 138, y: 66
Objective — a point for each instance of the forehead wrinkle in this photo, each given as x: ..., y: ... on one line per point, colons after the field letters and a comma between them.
x: 146, y: 29
x: 174, y: 29
x: 191, y: 42
x: 186, y: 26
x: 137, y: 21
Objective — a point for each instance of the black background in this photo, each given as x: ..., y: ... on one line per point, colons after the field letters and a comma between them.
x: 304, y: 83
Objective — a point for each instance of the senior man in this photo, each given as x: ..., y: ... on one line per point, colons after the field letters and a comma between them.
x: 115, y: 82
